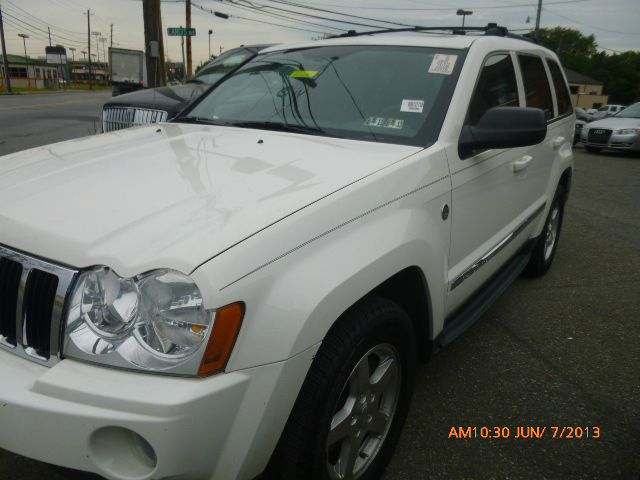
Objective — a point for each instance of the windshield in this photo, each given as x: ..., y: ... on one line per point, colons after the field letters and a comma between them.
x: 222, y: 65
x: 376, y: 93
x: 632, y: 111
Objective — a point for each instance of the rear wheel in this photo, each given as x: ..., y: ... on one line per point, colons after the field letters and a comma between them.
x: 593, y: 149
x: 350, y: 411
x: 547, y: 243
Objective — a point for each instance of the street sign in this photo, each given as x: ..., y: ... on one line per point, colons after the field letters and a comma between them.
x: 181, y: 32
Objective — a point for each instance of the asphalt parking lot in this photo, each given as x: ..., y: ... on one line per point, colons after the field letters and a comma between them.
x: 39, y: 119
x: 559, y: 351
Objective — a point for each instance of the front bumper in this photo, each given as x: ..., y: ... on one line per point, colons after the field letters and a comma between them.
x: 94, y: 419
x: 630, y: 142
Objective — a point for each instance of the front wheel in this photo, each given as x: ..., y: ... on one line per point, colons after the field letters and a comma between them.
x: 348, y: 416
x: 545, y: 248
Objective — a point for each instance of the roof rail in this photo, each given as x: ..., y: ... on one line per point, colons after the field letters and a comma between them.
x: 492, y: 29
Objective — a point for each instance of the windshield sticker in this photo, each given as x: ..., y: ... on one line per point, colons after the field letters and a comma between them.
x: 382, y: 122
x: 443, y: 64
x: 308, y: 74
x: 415, y: 106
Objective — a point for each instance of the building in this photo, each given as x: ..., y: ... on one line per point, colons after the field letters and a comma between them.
x: 26, y: 72
x: 586, y: 92
x: 80, y: 72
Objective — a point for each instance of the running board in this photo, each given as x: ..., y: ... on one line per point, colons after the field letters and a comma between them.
x: 460, y: 320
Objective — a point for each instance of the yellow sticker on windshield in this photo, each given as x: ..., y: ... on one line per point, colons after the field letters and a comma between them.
x: 309, y: 74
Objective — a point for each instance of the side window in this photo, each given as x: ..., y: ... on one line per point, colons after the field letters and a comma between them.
x: 536, y: 85
x: 562, y: 95
x: 496, y: 87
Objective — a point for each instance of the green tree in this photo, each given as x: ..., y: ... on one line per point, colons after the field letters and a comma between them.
x: 620, y: 72
x: 574, y: 49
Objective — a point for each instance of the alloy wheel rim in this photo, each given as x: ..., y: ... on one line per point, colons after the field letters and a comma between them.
x: 363, y: 413
x: 551, y: 233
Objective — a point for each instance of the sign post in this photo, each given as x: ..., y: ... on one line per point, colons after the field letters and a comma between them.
x: 182, y: 32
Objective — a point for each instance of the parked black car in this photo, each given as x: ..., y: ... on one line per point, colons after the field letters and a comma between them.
x: 161, y: 104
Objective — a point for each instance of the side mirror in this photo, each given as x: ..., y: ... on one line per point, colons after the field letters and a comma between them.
x: 503, y: 127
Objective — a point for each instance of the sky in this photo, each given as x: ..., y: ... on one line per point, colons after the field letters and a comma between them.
x: 615, y: 23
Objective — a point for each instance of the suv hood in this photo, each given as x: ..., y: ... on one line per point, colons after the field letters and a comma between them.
x: 169, y: 195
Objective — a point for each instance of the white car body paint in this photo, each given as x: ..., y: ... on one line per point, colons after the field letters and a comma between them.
x: 298, y: 227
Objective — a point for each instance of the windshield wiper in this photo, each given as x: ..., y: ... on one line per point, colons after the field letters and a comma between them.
x: 200, y: 120
x: 280, y: 127
x: 195, y: 80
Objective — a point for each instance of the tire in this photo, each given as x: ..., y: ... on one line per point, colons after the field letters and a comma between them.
x: 545, y: 248
x: 373, y: 339
x: 593, y: 149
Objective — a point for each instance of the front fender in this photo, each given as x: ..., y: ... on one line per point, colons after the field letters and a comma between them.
x: 312, y: 268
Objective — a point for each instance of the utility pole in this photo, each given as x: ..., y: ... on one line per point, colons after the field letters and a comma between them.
x: 97, y: 35
x: 24, y: 37
x: 184, y: 64
x: 538, y: 17
x: 89, y: 47
x: 154, y: 46
x: 104, y: 49
x: 5, y: 61
x: 49, y: 29
x: 111, y: 42
x: 189, y: 62
x: 210, y: 32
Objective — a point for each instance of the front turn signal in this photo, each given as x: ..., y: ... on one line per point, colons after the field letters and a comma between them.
x: 223, y: 337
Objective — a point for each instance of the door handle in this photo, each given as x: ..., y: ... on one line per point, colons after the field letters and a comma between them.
x: 522, y: 163
x: 557, y: 142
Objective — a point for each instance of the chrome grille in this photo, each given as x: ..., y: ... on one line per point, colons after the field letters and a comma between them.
x: 598, y: 135
x: 33, y: 293
x: 117, y: 118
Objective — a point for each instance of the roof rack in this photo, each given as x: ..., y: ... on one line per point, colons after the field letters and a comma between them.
x: 492, y: 29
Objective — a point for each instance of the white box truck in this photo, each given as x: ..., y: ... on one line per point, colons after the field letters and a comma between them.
x: 128, y: 70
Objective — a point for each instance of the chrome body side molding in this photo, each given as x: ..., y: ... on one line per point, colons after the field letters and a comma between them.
x: 473, y: 268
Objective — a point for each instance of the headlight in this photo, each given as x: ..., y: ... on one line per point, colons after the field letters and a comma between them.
x: 156, y: 322
x: 628, y: 131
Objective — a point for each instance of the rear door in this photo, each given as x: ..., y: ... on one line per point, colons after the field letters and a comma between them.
x: 539, y: 93
x: 561, y: 127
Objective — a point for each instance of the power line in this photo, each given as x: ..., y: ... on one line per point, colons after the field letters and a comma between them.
x: 259, y: 21
x: 259, y: 6
x: 19, y: 28
x: 588, y: 25
x: 37, y: 33
x: 36, y: 19
x: 26, y: 24
x: 286, y: 17
x: 427, y: 9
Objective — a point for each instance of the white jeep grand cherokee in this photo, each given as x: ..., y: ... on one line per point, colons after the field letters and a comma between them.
x: 248, y: 288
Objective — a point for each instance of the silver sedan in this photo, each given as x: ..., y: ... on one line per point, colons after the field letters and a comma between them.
x: 619, y: 132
